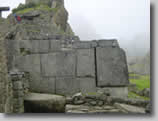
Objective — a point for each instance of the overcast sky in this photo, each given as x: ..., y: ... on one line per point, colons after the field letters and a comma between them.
x: 126, y: 20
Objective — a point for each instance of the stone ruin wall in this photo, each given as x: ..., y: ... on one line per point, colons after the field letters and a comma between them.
x: 5, y: 82
x: 60, y: 67
x: 66, y: 67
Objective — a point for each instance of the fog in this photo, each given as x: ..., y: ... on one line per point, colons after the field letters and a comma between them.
x: 126, y: 20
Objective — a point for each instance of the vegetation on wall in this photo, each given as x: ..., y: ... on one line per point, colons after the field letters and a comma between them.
x: 31, y: 7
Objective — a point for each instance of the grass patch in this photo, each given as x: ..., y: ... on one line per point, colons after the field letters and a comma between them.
x: 142, y: 82
x: 31, y: 7
x: 133, y: 95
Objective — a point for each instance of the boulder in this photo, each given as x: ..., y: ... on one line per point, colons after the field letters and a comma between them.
x: 44, y: 103
x: 78, y: 99
x: 146, y: 92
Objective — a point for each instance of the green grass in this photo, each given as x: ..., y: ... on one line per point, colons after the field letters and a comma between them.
x: 133, y: 95
x: 141, y: 81
x: 24, y: 10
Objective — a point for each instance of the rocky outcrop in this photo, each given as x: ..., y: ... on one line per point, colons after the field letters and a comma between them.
x: 39, y: 21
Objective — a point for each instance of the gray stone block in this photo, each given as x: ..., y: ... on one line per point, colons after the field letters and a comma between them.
x: 111, y: 67
x: 17, y: 94
x: 59, y: 64
x: 87, y: 84
x: 47, y: 85
x: 82, y: 44
x: 67, y: 86
x: 44, y: 46
x: 41, y: 84
x: 28, y: 63
x: 85, y: 63
x: 35, y: 46
x: 44, y: 103
x: 17, y: 85
x: 116, y: 91
x: 35, y: 82
x: 55, y: 45
x: 25, y: 44
x: 108, y: 43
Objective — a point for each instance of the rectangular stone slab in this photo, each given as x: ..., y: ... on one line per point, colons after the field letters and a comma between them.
x: 111, y: 67
x: 28, y: 63
x: 59, y: 64
x: 87, y: 84
x: 55, y: 45
x: 41, y: 84
x: 108, y: 43
x: 47, y: 85
x: 85, y: 63
x: 66, y: 86
x: 84, y: 44
x: 35, y: 46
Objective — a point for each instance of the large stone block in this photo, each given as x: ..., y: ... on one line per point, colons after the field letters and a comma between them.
x: 59, y: 64
x: 44, y: 46
x: 85, y: 63
x: 108, y: 43
x: 34, y: 46
x: 84, y: 44
x: 55, y: 45
x: 44, y: 103
x: 47, y: 85
x: 28, y: 63
x: 67, y: 86
x: 41, y: 84
x: 111, y: 67
x: 115, y: 91
x: 87, y: 84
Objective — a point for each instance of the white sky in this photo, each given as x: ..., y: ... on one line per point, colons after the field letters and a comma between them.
x: 95, y: 19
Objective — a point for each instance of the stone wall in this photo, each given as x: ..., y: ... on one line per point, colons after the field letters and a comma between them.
x: 66, y: 67
x: 20, y: 89
x: 5, y: 82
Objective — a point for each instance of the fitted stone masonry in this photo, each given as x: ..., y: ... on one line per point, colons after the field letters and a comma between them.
x: 67, y: 67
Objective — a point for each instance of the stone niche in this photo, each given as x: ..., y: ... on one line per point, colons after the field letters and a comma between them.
x: 67, y: 67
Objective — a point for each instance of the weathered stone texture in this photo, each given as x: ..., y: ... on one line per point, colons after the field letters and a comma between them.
x: 84, y: 44
x: 28, y: 63
x: 59, y: 64
x: 55, y: 45
x: 108, y: 43
x: 115, y: 91
x: 5, y: 82
x: 44, y: 103
x: 34, y: 46
x: 47, y: 85
x: 87, y: 84
x: 85, y: 63
x: 69, y: 67
x: 111, y: 67
x: 67, y: 86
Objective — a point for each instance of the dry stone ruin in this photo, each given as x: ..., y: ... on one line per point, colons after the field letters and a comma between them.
x: 44, y: 58
x: 66, y: 67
